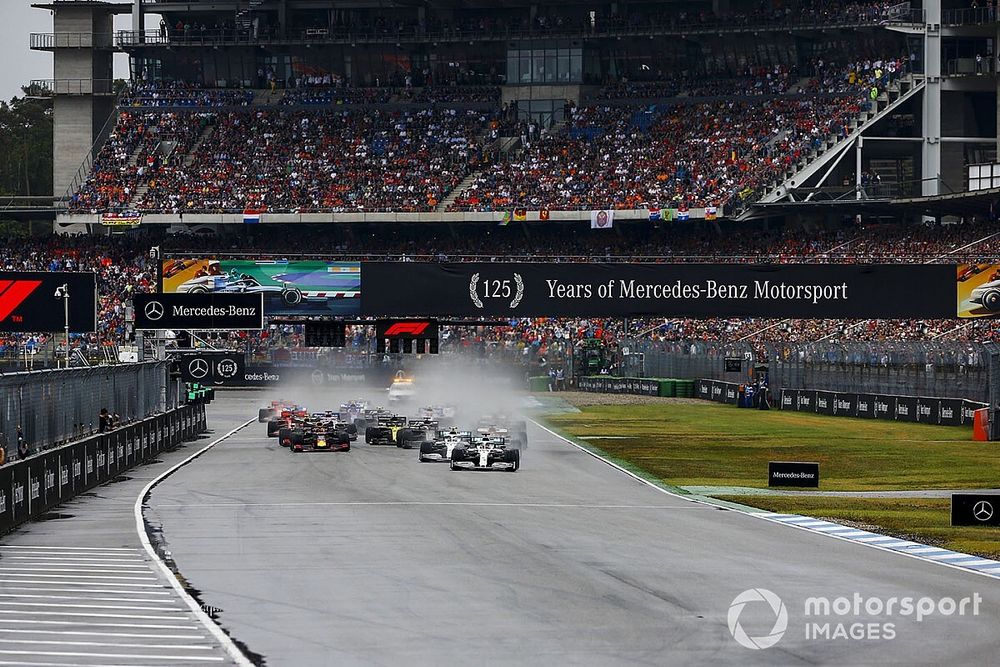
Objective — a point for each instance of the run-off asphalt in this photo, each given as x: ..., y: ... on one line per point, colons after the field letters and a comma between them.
x: 371, y: 558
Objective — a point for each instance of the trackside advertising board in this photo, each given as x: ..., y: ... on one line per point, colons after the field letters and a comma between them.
x: 297, y: 287
x: 668, y: 290
x: 201, y: 312
x: 28, y: 301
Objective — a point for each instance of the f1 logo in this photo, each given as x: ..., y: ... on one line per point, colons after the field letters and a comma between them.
x: 13, y: 293
x: 411, y: 328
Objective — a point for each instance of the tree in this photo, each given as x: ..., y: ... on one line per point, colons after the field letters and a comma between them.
x: 26, y: 145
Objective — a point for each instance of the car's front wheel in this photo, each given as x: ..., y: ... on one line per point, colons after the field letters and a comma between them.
x: 991, y: 300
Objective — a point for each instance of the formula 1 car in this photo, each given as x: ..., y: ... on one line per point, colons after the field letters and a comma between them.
x: 987, y: 295
x: 512, y: 431
x: 417, y: 431
x: 280, y: 415
x: 444, y: 414
x: 441, y: 447
x: 319, y: 439
x: 237, y: 283
x: 489, y: 453
x: 385, y: 430
x: 351, y: 411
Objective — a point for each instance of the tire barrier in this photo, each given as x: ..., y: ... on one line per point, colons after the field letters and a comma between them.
x: 33, y: 486
x: 918, y: 409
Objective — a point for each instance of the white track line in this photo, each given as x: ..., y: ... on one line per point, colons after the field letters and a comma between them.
x: 95, y: 562
x: 108, y: 549
x: 422, y: 503
x: 140, y: 526
x: 64, y: 642
x: 79, y: 567
x: 78, y: 597
x: 145, y: 617
x: 770, y: 517
x: 85, y: 624
x: 81, y: 633
x: 21, y: 663
x: 20, y: 572
x: 77, y: 583
x: 84, y: 590
x: 127, y: 656
x: 63, y: 605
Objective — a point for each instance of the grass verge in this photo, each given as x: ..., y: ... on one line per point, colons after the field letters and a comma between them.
x: 707, y: 444
x: 926, y: 520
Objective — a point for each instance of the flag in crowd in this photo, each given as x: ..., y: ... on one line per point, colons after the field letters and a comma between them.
x: 505, y: 220
x: 251, y: 216
x: 602, y: 219
x: 520, y: 214
x: 543, y: 215
x: 711, y: 212
x: 683, y: 213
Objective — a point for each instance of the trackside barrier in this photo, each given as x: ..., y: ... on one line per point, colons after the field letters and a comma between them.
x: 31, y: 487
x: 607, y: 384
x: 919, y: 409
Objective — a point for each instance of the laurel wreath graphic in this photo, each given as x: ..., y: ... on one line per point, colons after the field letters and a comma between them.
x: 474, y: 290
x: 520, y: 290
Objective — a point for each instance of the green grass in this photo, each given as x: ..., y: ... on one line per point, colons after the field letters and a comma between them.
x: 720, y: 445
x: 922, y: 519
x: 706, y: 444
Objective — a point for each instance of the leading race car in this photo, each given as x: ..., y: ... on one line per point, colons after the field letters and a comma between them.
x: 488, y: 453
x: 319, y: 431
x: 441, y: 447
x: 514, y: 432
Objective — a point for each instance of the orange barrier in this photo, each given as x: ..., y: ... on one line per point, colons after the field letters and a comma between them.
x: 981, y: 424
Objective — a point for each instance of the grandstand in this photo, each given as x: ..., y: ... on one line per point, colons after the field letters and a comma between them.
x: 687, y: 119
x: 461, y: 112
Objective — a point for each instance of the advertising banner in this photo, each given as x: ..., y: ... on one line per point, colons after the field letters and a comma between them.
x: 28, y: 301
x: 199, y: 312
x: 793, y: 473
x: 978, y: 290
x: 210, y: 367
x: 975, y: 509
x: 882, y: 291
x: 296, y: 287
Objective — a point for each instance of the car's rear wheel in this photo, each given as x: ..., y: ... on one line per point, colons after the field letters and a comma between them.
x: 291, y: 296
x: 991, y: 300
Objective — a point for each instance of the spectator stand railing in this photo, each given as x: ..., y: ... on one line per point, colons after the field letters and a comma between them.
x: 57, y: 406
x: 912, y: 368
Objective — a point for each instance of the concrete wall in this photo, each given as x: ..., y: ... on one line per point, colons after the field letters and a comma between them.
x: 73, y: 126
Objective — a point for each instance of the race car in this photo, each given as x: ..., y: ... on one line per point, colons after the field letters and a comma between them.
x: 272, y: 411
x: 284, y: 417
x: 313, y: 433
x: 987, y: 295
x: 319, y: 439
x: 488, y: 453
x: 353, y: 410
x: 417, y: 431
x: 444, y: 414
x: 385, y: 430
x: 513, y: 431
x: 970, y: 271
x: 441, y: 447
x: 239, y: 283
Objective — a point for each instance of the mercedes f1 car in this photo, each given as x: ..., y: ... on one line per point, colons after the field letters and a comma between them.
x: 987, y: 295
x: 441, y: 447
x: 488, y: 453
x: 512, y: 431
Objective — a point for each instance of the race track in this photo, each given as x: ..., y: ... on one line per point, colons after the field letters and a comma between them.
x: 371, y: 558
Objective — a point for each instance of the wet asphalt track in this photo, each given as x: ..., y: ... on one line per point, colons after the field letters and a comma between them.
x: 371, y: 558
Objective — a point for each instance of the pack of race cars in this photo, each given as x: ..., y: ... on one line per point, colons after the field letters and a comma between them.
x: 494, y: 444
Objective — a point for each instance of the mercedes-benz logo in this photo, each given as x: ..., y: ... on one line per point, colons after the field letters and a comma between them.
x: 983, y: 510
x: 153, y: 310
x: 318, y: 376
x: 198, y: 368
